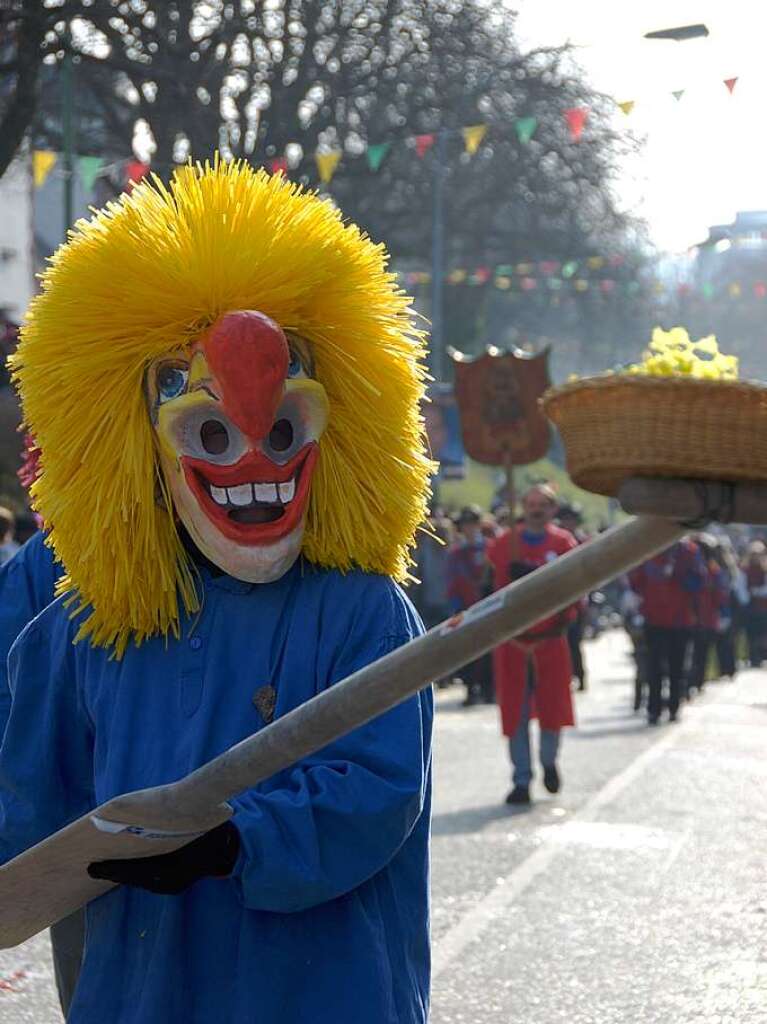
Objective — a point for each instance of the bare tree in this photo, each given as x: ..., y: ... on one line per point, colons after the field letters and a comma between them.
x: 293, y: 76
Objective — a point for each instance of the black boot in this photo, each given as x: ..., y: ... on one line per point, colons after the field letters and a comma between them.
x: 551, y: 779
x: 519, y: 795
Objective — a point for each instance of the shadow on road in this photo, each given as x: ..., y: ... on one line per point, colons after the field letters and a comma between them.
x: 474, y: 819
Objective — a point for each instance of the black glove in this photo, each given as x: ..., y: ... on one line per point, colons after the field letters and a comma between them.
x: 214, y: 853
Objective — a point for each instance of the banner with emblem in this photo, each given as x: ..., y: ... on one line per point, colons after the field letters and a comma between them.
x: 497, y: 394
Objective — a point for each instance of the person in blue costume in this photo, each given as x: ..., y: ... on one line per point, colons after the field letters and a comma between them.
x: 281, y: 510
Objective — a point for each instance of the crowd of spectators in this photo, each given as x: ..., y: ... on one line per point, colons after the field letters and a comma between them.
x: 696, y: 612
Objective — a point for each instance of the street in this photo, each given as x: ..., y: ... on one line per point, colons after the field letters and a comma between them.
x: 635, y: 895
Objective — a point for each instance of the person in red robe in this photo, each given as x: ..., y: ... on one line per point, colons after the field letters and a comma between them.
x: 533, y: 671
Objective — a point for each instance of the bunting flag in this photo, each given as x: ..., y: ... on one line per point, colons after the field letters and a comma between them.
x: 135, y: 170
x: 326, y: 164
x: 519, y: 280
x: 730, y: 83
x: 525, y: 128
x: 678, y: 94
x: 43, y: 162
x: 376, y: 154
x: 423, y: 144
x: 89, y: 168
x: 473, y: 136
x: 279, y: 165
x: 627, y: 106
x: 576, y: 119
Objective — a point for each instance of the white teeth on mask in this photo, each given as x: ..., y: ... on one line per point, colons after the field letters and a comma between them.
x: 287, y: 491
x: 249, y: 494
x: 265, y: 492
x: 240, y: 495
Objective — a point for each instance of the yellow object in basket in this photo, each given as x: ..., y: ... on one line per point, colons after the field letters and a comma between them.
x: 673, y: 354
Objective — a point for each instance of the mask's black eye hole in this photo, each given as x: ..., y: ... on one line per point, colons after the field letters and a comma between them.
x: 281, y: 436
x: 214, y: 437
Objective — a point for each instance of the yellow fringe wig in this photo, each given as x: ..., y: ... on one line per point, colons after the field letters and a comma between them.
x: 145, y: 276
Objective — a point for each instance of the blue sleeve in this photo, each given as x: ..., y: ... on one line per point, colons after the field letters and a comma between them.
x: 46, y: 758
x: 26, y: 587
x: 334, y: 820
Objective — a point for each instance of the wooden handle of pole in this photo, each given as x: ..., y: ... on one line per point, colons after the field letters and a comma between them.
x: 50, y: 880
x: 378, y: 687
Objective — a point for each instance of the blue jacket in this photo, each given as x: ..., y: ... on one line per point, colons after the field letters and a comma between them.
x: 324, y: 919
x: 26, y: 587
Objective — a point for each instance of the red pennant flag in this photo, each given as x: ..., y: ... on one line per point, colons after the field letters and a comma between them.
x: 135, y: 170
x: 576, y: 119
x: 423, y: 143
x: 730, y: 83
x: 760, y: 289
x: 279, y: 165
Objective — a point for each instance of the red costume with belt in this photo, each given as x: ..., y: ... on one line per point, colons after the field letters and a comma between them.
x: 512, y: 555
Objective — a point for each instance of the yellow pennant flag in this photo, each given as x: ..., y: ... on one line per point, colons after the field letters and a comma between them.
x: 43, y: 162
x: 326, y: 164
x: 473, y: 136
x: 627, y: 106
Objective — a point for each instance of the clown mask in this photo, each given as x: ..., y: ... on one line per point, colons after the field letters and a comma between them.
x: 238, y: 417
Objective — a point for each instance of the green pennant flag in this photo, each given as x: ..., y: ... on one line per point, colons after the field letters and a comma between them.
x: 525, y: 128
x: 376, y: 154
x: 569, y: 268
x: 89, y: 167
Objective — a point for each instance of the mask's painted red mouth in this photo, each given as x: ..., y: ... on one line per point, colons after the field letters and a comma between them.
x: 253, y: 501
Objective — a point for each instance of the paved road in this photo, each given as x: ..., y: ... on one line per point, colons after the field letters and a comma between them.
x: 635, y: 895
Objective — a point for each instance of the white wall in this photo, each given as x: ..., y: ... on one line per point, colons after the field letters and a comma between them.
x: 16, y: 243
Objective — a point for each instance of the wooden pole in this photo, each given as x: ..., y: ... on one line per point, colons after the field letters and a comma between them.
x: 378, y: 687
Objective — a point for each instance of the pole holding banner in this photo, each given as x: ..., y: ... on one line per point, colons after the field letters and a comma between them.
x: 437, y: 344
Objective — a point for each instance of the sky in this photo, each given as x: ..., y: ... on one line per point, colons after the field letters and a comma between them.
x: 705, y: 156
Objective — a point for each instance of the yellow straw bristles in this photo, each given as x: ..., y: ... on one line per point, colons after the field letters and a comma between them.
x: 145, y: 276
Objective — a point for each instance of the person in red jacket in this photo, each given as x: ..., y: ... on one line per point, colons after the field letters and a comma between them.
x: 468, y: 574
x: 533, y: 671
x: 755, y: 570
x: 666, y: 585
x: 712, y: 598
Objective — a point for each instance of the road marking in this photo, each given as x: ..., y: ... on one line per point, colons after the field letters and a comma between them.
x: 498, y: 901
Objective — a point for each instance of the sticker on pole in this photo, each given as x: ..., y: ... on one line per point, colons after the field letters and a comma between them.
x: 477, y: 611
x: 118, y: 827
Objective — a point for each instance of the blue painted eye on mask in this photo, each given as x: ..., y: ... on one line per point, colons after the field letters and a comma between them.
x: 171, y: 382
x: 296, y: 366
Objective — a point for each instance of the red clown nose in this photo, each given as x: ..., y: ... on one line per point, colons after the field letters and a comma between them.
x: 248, y: 354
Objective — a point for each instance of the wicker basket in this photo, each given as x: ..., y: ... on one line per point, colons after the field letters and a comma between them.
x: 615, y: 427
